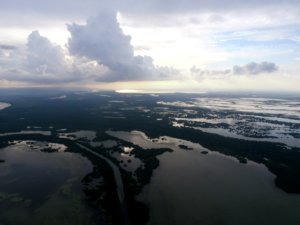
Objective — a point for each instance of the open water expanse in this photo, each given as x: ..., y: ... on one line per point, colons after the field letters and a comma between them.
x: 40, y: 187
x: 192, y: 159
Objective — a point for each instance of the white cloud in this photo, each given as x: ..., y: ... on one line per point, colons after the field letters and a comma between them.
x: 97, y: 51
x: 43, y: 56
x: 200, y: 74
x: 147, y: 41
x: 253, y: 68
x: 103, y: 40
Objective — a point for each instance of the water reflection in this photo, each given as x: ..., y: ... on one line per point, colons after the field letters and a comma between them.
x: 259, y: 119
x: 42, y: 188
x: 193, y: 188
x: 4, y: 105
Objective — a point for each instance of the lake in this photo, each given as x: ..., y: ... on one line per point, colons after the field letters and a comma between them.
x: 194, y: 185
x: 194, y: 188
x: 38, y: 187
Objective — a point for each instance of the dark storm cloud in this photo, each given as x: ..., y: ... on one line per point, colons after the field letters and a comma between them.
x: 103, y: 40
x: 253, y: 68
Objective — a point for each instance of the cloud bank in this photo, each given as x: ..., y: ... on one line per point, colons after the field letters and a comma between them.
x: 43, y: 57
x: 177, y: 33
x: 255, y: 68
x: 57, y: 8
x: 251, y: 68
x: 96, y: 51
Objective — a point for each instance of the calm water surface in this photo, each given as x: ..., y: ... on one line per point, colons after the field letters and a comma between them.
x: 42, y: 188
x: 192, y: 188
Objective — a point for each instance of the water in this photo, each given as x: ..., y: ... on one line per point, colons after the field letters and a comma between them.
x: 257, y: 119
x: 4, y: 105
x: 193, y: 188
x: 82, y: 134
x: 42, y: 188
x: 46, y: 133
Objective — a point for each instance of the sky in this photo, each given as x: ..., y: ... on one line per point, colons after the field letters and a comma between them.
x: 190, y: 46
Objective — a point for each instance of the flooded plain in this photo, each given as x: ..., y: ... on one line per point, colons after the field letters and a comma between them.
x: 193, y: 185
x: 255, y: 119
x: 144, y: 138
x: 41, y: 184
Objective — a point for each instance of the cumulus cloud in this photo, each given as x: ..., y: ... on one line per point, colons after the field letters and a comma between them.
x: 102, y: 39
x: 47, y: 62
x: 40, y: 62
x: 202, y: 74
x: 5, y: 52
x: 254, y: 68
x: 98, y: 51
x: 206, y: 72
x: 9, y: 56
x: 44, y: 56
x: 251, y: 68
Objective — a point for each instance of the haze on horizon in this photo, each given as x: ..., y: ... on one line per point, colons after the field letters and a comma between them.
x: 155, y: 45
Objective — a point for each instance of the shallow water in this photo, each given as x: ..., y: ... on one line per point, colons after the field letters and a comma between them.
x: 194, y: 188
x: 42, y: 188
x: 259, y: 119
x: 46, y: 133
x: 82, y: 134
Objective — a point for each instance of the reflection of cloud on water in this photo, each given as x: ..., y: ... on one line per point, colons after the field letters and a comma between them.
x: 127, y: 161
x: 258, y: 119
x: 46, y: 133
x: 4, y: 105
x: 41, y: 146
x: 39, y: 185
x: 257, y: 105
x: 82, y: 134
x: 58, y: 97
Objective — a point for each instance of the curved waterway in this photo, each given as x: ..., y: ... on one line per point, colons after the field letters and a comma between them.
x: 118, y: 180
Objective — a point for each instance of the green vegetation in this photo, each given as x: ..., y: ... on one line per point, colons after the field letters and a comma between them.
x: 89, y: 111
